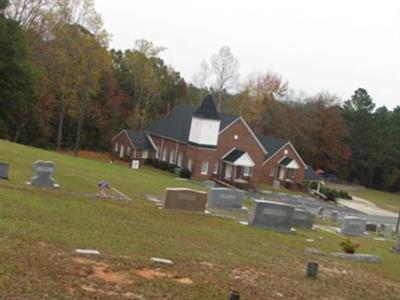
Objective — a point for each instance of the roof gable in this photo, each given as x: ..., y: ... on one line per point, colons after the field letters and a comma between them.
x: 139, y: 139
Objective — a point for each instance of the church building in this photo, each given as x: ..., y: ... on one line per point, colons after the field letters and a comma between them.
x: 214, y: 146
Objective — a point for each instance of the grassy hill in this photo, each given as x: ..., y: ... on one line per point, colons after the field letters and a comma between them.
x: 40, y: 230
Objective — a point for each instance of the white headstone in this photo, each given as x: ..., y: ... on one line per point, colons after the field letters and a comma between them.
x: 135, y: 164
x: 353, y: 226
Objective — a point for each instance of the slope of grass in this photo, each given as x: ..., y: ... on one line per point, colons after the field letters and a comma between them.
x: 39, y: 230
x: 385, y: 200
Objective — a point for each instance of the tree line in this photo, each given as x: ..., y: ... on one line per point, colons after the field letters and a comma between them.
x: 61, y: 87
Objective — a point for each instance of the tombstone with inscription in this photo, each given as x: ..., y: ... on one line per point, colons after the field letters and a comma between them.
x: 272, y: 215
x: 185, y: 199
x: 225, y: 198
x: 303, y: 218
x: 43, y: 174
x: 4, y: 170
x: 353, y: 226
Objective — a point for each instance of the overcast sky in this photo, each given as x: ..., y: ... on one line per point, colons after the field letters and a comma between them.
x: 334, y: 46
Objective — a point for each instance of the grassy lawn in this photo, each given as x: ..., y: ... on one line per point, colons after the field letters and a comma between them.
x: 40, y: 229
x: 385, y: 200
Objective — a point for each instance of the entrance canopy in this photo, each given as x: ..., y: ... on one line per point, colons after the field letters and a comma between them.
x: 238, y: 158
x: 289, y: 163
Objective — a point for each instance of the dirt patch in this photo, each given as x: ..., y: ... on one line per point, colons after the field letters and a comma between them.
x: 127, y: 295
x: 101, y: 272
x: 91, y: 268
x: 151, y: 274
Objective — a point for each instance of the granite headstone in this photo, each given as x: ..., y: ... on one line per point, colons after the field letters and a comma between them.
x: 272, y: 215
x: 371, y: 227
x: 185, y: 199
x: 43, y: 174
x: 225, y: 198
x: 334, y: 216
x: 303, y: 218
x: 386, y: 231
x: 396, y: 247
x: 353, y: 226
x: 4, y: 170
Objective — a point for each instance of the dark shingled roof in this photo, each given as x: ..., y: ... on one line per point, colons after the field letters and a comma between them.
x: 286, y: 161
x: 271, y: 144
x: 234, y: 155
x: 139, y: 139
x: 310, y: 175
x: 207, y: 109
x: 176, y: 125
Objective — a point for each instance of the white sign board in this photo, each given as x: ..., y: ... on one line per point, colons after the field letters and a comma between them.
x: 135, y: 164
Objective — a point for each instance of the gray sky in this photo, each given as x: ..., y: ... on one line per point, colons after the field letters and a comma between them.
x: 334, y: 46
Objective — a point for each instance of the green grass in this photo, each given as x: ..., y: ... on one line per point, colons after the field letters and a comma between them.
x: 40, y: 229
x: 385, y: 200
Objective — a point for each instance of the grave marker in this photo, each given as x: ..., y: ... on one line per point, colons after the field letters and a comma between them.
x: 371, y: 227
x: 303, y: 218
x: 272, y: 215
x: 185, y: 199
x: 386, y: 231
x: 43, y: 174
x: 4, y: 167
x: 135, y: 164
x: 225, y: 198
x: 353, y: 226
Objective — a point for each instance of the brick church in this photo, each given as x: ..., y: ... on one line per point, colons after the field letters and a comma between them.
x: 214, y: 146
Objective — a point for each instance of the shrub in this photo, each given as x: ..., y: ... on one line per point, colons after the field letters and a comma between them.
x: 348, y: 246
x: 149, y: 161
x: 156, y: 163
x: 185, y: 173
x: 171, y: 168
x: 164, y: 165
x: 344, y: 195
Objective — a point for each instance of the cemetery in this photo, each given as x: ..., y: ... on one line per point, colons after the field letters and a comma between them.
x: 61, y: 242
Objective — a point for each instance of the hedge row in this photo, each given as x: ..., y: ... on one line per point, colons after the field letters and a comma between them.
x: 182, y: 172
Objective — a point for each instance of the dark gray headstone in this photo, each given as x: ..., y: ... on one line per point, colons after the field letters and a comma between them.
x: 4, y: 167
x: 353, y: 226
x: 303, y: 218
x: 371, y: 227
x: 43, y: 174
x: 225, y: 198
x: 272, y: 215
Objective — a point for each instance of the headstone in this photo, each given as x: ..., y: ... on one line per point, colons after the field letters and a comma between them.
x: 334, y: 216
x: 353, y: 226
x: 386, y: 231
x: 371, y: 227
x: 185, y: 199
x: 272, y: 215
x: 396, y: 247
x: 303, y: 218
x: 312, y: 269
x: 225, y: 198
x: 135, y: 164
x: 4, y: 170
x: 276, y: 185
x: 320, y: 212
x: 43, y: 174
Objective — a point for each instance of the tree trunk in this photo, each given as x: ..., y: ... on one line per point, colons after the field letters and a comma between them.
x: 371, y: 177
x: 60, y: 127
x: 79, y: 132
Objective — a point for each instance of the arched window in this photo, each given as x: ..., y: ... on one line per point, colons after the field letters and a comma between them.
x: 164, y: 155
x: 172, y: 157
